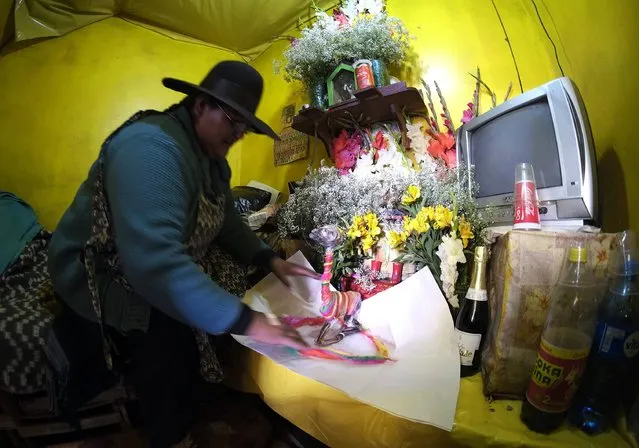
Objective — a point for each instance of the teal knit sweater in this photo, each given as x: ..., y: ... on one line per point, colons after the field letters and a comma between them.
x: 154, y: 172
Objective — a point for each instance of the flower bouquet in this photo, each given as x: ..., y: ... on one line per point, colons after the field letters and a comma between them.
x: 360, y: 29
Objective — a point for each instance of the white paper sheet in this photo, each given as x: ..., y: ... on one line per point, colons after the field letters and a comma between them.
x: 421, y: 385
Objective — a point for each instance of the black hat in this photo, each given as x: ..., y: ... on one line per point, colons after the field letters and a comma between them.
x: 236, y: 84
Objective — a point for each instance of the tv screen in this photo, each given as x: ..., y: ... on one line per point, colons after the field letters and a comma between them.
x: 525, y: 134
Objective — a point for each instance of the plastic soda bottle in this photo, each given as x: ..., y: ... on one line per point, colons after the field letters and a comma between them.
x: 612, y: 376
x: 565, y: 343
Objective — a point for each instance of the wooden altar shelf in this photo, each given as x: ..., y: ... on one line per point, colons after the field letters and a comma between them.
x: 369, y: 106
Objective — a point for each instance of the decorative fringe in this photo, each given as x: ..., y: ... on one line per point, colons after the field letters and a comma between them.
x: 339, y: 355
x: 382, y: 356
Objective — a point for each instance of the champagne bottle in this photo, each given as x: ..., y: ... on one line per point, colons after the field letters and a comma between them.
x: 472, y: 320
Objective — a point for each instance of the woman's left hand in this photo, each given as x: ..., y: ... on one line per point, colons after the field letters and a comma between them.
x: 283, y: 269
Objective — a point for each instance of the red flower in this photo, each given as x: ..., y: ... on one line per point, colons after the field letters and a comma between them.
x: 450, y: 158
x: 469, y: 113
x: 339, y: 143
x: 345, y: 161
x: 379, y: 144
x: 345, y: 151
x: 441, y: 143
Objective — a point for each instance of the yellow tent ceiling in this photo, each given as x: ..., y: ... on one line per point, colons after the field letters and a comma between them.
x: 243, y: 26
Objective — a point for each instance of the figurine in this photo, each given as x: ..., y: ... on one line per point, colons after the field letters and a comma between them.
x: 337, y: 306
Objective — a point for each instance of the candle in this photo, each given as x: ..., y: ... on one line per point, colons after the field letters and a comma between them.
x: 397, y: 272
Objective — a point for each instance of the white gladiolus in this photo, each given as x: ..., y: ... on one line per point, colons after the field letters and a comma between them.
x: 450, y: 252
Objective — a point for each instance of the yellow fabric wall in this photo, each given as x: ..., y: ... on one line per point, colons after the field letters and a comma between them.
x: 60, y: 98
x: 596, y: 47
x: 597, y: 44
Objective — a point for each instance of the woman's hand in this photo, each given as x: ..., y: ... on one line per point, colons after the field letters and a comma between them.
x: 283, y: 269
x: 262, y: 330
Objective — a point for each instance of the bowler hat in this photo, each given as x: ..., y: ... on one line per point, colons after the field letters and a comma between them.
x: 234, y: 83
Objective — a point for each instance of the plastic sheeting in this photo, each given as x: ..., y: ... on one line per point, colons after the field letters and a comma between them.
x: 244, y: 26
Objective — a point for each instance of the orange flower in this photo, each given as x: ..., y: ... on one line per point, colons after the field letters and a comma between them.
x: 441, y: 143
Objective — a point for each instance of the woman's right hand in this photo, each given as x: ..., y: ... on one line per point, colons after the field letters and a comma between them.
x: 262, y: 330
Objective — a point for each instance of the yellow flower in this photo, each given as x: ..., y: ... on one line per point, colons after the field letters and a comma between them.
x: 429, y: 212
x: 372, y: 224
x: 443, y: 217
x: 366, y: 229
x: 411, y: 195
x: 465, y: 231
x: 397, y: 239
x: 407, y: 225
x: 420, y: 224
x: 357, y: 228
x: 368, y: 242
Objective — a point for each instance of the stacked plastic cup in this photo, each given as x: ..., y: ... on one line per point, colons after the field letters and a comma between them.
x: 526, y: 202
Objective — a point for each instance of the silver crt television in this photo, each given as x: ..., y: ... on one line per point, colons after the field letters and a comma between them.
x: 548, y: 127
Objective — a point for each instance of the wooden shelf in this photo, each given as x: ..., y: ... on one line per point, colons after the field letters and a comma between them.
x: 369, y: 106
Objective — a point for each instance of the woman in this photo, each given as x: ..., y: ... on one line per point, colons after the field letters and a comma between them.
x: 152, y: 247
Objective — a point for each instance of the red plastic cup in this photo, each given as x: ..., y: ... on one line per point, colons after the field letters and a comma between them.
x: 376, y: 266
x: 526, y: 202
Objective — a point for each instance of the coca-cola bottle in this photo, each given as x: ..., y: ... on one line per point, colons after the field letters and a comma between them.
x: 565, y: 344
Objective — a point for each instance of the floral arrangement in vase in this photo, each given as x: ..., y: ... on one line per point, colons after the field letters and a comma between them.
x: 359, y: 29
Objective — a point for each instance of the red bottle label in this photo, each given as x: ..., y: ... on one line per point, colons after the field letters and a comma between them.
x: 526, y: 210
x: 555, y: 377
x: 364, y: 76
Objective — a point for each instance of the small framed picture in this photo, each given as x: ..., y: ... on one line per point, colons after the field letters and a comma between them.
x: 287, y: 115
x: 341, y: 84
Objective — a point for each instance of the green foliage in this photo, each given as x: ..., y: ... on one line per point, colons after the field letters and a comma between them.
x: 421, y: 249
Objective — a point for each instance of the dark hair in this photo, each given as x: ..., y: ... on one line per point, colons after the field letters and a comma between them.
x: 189, y: 100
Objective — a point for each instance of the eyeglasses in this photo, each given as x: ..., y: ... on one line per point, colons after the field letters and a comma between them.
x: 239, y: 126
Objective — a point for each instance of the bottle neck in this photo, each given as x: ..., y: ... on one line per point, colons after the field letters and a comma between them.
x: 576, y: 273
x: 477, y: 290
